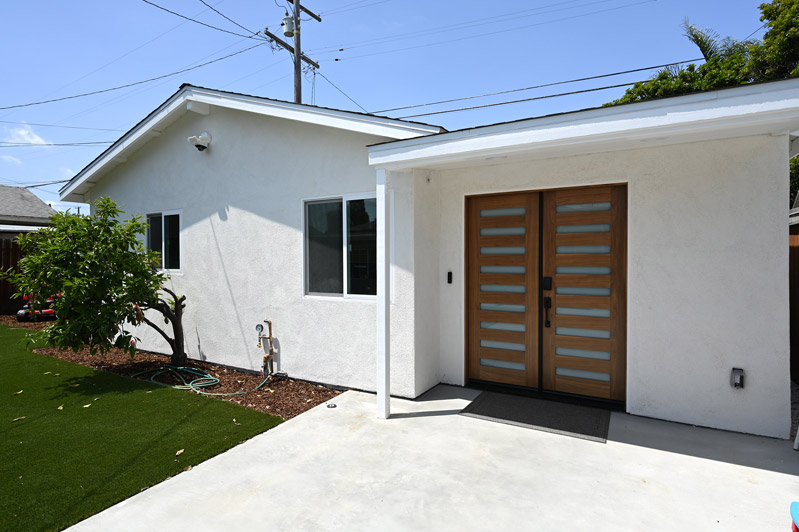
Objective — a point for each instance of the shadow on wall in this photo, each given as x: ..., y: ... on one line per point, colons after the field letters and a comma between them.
x: 232, y: 297
x: 199, y: 344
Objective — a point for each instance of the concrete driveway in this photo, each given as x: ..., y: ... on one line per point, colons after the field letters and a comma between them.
x: 428, y: 468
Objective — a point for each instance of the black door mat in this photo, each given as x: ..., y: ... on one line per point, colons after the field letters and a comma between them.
x: 560, y: 418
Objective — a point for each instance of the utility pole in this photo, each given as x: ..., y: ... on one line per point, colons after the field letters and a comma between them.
x: 297, y: 56
x: 291, y: 28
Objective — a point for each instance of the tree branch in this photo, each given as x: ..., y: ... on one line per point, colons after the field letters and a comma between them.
x: 165, y: 335
x: 170, y: 292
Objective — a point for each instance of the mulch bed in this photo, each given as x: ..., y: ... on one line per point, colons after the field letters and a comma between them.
x: 282, y: 397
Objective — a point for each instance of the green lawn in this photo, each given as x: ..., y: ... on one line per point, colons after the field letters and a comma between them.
x: 60, y: 466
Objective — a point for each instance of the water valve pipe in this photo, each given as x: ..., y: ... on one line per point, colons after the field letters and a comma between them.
x: 268, y: 367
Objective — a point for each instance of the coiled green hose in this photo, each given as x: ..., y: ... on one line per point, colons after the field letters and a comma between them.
x: 192, y: 378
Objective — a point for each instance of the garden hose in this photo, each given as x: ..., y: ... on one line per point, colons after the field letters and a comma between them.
x: 193, y: 379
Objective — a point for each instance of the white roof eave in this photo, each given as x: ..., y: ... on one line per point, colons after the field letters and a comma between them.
x: 771, y: 108
x: 175, y: 107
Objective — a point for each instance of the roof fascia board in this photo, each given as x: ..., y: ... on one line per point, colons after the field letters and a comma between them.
x: 20, y: 228
x: 710, y: 113
x: 145, y: 130
x: 378, y: 126
x: 180, y: 101
x: 39, y: 220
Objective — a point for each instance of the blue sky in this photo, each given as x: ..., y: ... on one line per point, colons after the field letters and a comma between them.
x: 395, y: 53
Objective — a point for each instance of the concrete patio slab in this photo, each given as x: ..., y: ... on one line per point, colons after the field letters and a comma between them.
x: 428, y: 468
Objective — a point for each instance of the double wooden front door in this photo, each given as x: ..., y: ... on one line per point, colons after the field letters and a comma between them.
x: 546, y: 292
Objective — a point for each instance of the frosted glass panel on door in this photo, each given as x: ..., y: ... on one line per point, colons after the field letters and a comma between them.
x: 587, y: 312
x: 503, y: 269
x: 501, y: 307
x: 490, y: 213
x: 494, y: 326
x: 582, y: 333
x: 583, y: 250
x: 582, y: 353
x: 504, y: 364
x: 583, y: 270
x: 582, y: 374
x: 592, y: 228
x: 510, y: 346
x: 504, y: 288
x: 582, y: 291
x: 502, y: 231
x: 512, y: 250
x: 584, y: 207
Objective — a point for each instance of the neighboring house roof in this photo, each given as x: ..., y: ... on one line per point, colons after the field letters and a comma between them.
x: 198, y: 99
x: 19, y: 206
x: 20, y: 228
x: 763, y: 108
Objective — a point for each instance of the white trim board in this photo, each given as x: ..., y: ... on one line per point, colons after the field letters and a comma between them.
x: 198, y: 99
x: 766, y: 108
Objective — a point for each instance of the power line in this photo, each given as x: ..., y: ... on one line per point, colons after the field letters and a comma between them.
x: 535, y: 86
x: 117, y: 59
x: 522, y: 100
x: 198, y: 22
x: 341, y: 10
x: 58, y: 126
x: 757, y: 30
x: 212, y: 8
x: 5, y: 144
x: 475, y: 36
x: 132, y: 84
x: 48, y: 183
x: 513, y: 15
x: 344, y: 93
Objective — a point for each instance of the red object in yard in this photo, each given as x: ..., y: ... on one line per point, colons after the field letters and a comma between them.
x: 795, y: 516
x: 26, y: 314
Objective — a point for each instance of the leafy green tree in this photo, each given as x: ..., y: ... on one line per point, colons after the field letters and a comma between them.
x: 729, y: 62
x: 794, y: 179
x: 106, y: 279
x: 777, y: 57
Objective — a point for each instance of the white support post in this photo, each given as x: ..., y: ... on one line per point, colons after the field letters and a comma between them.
x: 383, y: 350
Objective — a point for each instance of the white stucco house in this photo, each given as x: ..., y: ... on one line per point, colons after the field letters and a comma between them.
x: 635, y: 254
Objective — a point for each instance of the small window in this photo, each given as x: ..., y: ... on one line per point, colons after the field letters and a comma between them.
x: 334, y: 255
x: 163, y: 236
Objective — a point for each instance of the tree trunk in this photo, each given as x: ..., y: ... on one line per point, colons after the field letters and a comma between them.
x: 179, y: 357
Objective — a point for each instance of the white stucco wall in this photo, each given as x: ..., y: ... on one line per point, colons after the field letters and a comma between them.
x: 707, y: 273
x: 242, y: 243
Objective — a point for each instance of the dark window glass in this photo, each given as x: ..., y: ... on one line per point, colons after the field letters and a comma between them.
x: 172, y: 242
x: 154, y: 234
x: 325, y: 242
x: 362, y: 246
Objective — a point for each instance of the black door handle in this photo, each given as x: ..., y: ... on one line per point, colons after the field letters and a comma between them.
x: 547, y: 306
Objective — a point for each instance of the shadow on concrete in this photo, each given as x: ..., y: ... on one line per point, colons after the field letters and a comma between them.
x: 711, y: 444
x: 426, y: 413
x: 745, y: 450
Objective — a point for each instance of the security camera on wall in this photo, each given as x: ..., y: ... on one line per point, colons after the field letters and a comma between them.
x: 201, y: 141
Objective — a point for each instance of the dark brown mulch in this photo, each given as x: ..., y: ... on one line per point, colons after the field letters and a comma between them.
x: 282, y: 397
x: 34, y: 326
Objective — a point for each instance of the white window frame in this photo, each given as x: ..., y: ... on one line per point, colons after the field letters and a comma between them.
x: 163, y: 214
x: 345, y: 199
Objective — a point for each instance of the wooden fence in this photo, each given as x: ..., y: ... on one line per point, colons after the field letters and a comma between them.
x: 9, y: 258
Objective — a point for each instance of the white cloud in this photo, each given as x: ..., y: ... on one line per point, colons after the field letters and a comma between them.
x: 66, y: 173
x: 24, y: 134
x: 10, y: 160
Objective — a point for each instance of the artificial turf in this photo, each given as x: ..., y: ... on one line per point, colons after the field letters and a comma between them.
x: 87, y: 439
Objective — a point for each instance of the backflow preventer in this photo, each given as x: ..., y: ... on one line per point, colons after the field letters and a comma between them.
x: 268, y: 367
